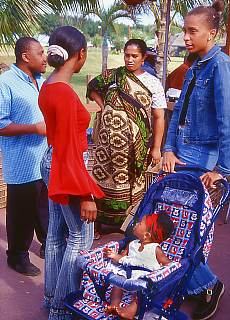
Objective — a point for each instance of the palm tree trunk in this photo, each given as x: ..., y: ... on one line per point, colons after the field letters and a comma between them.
x: 161, y: 37
x: 105, y: 52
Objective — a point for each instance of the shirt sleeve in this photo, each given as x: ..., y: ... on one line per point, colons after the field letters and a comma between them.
x: 158, y: 96
x: 68, y: 172
x: 5, y: 105
x: 222, y: 98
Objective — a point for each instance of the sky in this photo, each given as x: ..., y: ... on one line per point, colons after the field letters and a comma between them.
x: 144, y: 19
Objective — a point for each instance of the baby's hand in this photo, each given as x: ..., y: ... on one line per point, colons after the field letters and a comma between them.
x: 109, y: 253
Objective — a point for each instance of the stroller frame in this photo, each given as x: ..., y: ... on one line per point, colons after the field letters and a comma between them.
x: 163, y: 290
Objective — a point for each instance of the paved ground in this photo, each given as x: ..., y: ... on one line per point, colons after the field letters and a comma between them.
x: 21, y: 296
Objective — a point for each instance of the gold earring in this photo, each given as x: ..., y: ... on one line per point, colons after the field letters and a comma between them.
x: 209, y: 38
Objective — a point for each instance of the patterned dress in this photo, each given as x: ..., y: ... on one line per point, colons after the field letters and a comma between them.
x: 122, y: 150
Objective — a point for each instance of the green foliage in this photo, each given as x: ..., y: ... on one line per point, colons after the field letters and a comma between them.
x: 97, y: 41
x: 182, y: 53
x: 174, y: 29
x: 107, y: 17
x: 17, y: 16
x: 49, y: 22
x: 121, y: 30
x: 118, y: 43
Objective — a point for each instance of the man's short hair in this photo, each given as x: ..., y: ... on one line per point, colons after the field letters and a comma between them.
x: 22, y: 45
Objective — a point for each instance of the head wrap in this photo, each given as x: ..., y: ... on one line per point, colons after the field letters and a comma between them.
x: 151, y: 51
x: 58, y: 50
x: 157, y: 233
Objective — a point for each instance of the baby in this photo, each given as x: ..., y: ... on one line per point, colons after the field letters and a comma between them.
x: 144, y: 252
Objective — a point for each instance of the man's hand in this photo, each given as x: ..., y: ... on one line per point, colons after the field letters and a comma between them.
x: 169, y: 161
x: 15, y: 129
x: 88, y: 209
x: 40, y: 128
x: 210, y: 178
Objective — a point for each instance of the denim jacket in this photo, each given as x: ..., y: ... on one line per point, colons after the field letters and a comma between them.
x: 208, y: 116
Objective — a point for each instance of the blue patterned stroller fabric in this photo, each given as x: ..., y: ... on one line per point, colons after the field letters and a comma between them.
x: 185, y: 199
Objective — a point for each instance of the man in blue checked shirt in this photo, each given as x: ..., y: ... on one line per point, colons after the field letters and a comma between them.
x: 22, y: 143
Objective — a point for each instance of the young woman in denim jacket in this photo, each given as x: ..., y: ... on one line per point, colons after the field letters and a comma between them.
x: 199, y: 132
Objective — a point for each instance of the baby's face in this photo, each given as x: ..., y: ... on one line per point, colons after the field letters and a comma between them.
x: 140, y: 228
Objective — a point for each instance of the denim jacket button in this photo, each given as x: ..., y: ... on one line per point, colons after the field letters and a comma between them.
x: 186, y: 140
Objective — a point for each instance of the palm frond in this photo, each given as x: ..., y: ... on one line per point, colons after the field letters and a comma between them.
x: 73, y: 5
x: 17, y: 16
x: 183, y: 7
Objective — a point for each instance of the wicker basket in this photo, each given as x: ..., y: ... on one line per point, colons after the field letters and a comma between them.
x: 2, y: 187
x: 91, y: 150
x: 151, y: 173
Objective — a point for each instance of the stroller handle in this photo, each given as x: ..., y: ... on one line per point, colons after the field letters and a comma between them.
x: 191, y: 167
x: 224, y: 182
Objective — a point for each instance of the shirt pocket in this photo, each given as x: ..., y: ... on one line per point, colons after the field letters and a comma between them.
x: 203, y: 90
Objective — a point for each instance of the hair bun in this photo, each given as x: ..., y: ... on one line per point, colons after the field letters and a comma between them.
x: 218, y: 5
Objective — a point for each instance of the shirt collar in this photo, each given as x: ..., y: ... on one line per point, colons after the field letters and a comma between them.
x: 24, y: 75
x: 212, y: 52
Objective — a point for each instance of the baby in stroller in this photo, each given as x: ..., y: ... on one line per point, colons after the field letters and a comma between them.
x: 141, y: 256
x: 162, y: 291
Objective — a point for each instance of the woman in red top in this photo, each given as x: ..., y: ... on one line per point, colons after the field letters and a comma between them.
x: 71, y: 190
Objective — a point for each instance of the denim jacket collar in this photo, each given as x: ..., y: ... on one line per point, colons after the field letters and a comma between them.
x: 215, y: 49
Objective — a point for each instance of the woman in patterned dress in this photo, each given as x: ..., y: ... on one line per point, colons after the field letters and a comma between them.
x: 130, y: 99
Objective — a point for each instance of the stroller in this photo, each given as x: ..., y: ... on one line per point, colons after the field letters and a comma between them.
x: 160, y: 292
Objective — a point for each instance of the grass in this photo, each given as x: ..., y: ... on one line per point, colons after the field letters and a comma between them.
x: 93, y: 67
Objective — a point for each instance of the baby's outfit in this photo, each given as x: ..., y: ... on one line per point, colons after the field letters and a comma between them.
x: 145, y: 258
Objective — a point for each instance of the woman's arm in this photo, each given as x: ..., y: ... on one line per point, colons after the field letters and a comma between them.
x: 88, y: 209
x: 158, y: 131
x: 98, y: 87
x: 222, y: 98
x: 95, y: 96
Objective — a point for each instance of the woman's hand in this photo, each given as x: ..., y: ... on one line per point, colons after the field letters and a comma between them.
x: 156, y: 155
x: 210, y: 178
x: 88, y: 209
x: 169, y: 161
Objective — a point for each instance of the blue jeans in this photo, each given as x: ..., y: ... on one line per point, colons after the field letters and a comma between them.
x: 204, y: 156
x: 67, y: 235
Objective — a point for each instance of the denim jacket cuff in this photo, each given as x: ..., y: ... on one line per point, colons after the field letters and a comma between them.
x: 169, y: 148
x: 224, y: 172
